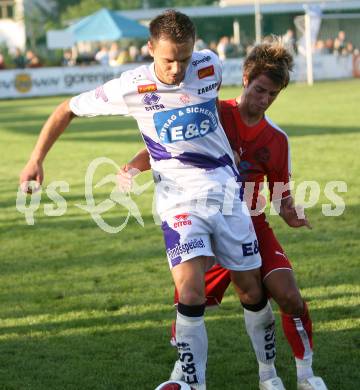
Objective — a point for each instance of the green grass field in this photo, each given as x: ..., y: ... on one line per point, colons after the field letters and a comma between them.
x: 84, y: 309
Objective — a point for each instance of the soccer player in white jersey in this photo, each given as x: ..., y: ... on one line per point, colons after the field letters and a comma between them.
x: 200, y: 205
x: 263, y: 151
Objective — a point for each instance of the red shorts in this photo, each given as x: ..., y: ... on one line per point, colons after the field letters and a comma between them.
x: 272, y: 254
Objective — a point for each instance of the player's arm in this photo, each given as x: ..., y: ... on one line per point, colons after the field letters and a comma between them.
x: 278, y: 176
x: 293, y: 215
x: 139, y: 163
x: 58, y: 121
x: 284, y: 204
x: 104, y: 100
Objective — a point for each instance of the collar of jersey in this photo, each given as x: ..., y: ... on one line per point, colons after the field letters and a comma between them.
x: 158, y: 82
x: 247, y: 133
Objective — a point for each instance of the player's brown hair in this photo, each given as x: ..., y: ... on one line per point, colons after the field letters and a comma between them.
x: 271, y: 59
x: 172, y: 25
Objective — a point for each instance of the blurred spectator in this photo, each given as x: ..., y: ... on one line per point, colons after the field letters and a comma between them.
x: 19, y: 59
x: 320, y: 47
x: 144, y: 53
x: 85, y: 58
x: 199, y: 45
x: 123, y: 57
x: 213, y: 47
x: 223, y: 48
x: 134, y: 53
x: 289, y: 41
x: 2, y: 62
x: 113, y: 54
x: 349, y: 49
x: 32, y: 60
x: 339, y: 43
x: 234, y: 50
x: 68, y: 59
x: 102, y: 56
x: 35, y: 63
x: 29, y: 55
x: 329, y: 46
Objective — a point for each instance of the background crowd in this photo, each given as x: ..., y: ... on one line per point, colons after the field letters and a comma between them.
x: 115, y: 53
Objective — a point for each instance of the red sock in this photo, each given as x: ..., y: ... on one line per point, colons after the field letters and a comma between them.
x: 298, y: 331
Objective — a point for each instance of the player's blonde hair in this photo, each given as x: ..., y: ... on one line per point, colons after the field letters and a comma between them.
x: 271, y: 59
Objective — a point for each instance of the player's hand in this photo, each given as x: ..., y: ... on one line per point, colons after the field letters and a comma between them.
x: 294, y: 216
x: 236, y: 157
x: 33, y: 171
x: 125, y: 178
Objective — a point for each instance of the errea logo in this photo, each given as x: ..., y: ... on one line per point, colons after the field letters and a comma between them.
x: 151, y: 100
x: 182, y: 220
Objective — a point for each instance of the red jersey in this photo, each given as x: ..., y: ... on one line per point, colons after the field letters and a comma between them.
x: 263, y: 150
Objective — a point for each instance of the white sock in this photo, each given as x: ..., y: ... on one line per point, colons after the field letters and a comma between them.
x: 266, y: 371
x: 260, y: 326
x: 192, y: 346
x: 304, y: 368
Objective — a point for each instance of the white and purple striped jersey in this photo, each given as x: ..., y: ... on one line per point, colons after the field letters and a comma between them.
x: 179, y: 123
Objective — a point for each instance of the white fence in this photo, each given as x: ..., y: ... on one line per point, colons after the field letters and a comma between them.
x: 73, y: 80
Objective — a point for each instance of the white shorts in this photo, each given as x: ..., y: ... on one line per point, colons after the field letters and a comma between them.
x: 230, y: 238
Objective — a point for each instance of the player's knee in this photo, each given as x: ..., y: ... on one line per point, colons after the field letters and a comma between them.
x: 257, y: 306
x: 251, y: 297
x: 250, y: 294
x: 249, y: 290
x: 191, y: 296
x: 291, y: 303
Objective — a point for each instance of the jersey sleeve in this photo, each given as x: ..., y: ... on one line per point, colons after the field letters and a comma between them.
x: 279, y: 175
x: 229, y: 124
x: 106, y: 99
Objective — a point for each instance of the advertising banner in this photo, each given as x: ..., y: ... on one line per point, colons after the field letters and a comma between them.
x: 55, y: 81
x: 22, y: 83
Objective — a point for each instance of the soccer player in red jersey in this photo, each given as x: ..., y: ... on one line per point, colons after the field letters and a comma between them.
x: 262, y: 150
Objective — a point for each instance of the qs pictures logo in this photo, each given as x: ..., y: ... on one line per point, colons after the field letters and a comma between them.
x: 23, y: 82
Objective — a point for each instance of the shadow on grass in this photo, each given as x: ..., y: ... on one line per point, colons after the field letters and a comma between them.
x: 76, y: 229
x: 76, y: 223
x: 129, y: 315
x: 101, y: 129
x: 13, y: 216
x: 95, y: 355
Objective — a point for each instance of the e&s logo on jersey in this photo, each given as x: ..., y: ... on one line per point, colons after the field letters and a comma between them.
x: 186, y: 123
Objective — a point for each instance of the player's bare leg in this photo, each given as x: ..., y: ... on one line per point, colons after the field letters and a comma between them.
x: 191, y: 337
x: 296, y: 324
x: 260, y: 325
